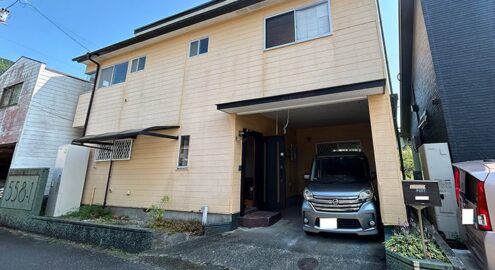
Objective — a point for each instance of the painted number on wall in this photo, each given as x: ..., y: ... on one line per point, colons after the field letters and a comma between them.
x: 20, y: 192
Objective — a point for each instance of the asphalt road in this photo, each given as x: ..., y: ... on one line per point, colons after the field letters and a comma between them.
x: 19, y: 251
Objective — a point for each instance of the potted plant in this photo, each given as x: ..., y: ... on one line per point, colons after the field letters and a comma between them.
x: 404, y: 250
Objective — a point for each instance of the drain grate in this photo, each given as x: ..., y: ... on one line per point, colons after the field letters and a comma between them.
x: 307, y: 263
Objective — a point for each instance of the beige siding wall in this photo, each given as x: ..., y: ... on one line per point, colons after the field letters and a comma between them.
x: 177, y: 90
x: 152, y: 173
x: 236, y: 67
x: 387, y: 161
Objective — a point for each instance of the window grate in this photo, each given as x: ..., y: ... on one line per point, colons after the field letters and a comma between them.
x: 120, y: 150
x: 332, y: 147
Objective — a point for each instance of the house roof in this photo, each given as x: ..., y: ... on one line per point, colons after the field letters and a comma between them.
x: 46, y: 68
x: 177, y: 16
x: 175, y: 22
x: 406, y: 20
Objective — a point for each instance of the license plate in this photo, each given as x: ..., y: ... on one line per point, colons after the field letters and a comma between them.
x: 328, y: 223
x: 467, y: 216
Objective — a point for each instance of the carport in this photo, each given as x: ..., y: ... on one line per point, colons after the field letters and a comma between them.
x: 282, y: 134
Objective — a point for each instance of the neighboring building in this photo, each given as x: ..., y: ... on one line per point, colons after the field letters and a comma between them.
x: 447, y: 65
x: 37, y: 106
x: 200, y: 106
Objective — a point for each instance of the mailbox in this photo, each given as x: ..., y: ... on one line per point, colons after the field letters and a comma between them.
x: 421, y: 192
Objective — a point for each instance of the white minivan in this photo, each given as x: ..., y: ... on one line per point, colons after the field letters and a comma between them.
x: 475, y: 194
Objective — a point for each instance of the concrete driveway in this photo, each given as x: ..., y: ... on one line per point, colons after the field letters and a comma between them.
x: 280, y: 246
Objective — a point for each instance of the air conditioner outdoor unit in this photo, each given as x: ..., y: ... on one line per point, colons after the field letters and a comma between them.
x: 67, y: 180
x: 436, y: 165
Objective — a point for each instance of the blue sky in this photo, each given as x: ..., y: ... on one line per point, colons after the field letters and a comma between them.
x: 97, y: 23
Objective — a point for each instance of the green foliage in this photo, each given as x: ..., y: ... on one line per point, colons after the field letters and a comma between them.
x: 407, y: 242
x: 157, y: 211
x: 90, y: 212
x: 407, y: 157
x: 156, y: 214
x: 193, y: 227
x: 4, y: 64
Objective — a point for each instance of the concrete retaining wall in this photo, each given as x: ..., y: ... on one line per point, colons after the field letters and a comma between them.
x: 107, y: 236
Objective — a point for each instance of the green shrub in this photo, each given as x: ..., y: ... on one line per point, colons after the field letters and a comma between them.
x: 157, y: 211
x: 90, y: 212
x: 407, y: 242
x: 193, y: 227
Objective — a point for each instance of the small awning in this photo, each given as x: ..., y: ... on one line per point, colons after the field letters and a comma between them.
x: 337, y: 94
x: 106, y: 138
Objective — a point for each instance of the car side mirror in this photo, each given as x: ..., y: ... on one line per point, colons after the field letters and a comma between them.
x: 306, y: 177
x: 373, y: 175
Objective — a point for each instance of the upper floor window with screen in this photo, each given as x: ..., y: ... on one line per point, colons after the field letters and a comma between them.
x: 198, y: 47
x: 113, y: 75
x: 10, y: 95
x: 298, y: 25
x: 138, y: 64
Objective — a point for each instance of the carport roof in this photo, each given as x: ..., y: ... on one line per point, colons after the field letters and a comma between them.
x: 336, y: 94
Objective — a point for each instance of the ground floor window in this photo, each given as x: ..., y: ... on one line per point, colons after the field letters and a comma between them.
x: 120, y: 150
x: 183, y: 151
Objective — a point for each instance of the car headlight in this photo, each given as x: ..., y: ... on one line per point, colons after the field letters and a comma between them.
x: 307, y: 194
x: 365, y: 195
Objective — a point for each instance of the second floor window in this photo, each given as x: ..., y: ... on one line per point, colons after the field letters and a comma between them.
x: 113, y: 75
x: 10, y: 95
x: 198, y: 47
x: 297, y: 25
x: 138, y: 64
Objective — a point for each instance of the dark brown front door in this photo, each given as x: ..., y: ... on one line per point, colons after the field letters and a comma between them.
x: 274, y: 197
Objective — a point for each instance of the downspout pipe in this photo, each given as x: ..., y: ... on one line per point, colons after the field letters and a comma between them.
x: 391, y: 91
x: 90, y: 105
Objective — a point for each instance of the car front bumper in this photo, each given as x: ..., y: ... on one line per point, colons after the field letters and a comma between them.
x: 363, y: 216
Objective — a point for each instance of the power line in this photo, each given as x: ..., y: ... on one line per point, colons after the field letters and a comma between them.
x: 56, y: 25
x: 11, y: 5
x: 37, y: 51
x: 49, y: 111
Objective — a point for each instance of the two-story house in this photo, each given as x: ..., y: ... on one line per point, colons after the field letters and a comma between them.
x: 446, y: 69
x: 226, y: 104
x: 37, y: 106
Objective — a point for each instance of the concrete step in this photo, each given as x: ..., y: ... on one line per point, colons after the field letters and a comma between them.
x: 259, y: 219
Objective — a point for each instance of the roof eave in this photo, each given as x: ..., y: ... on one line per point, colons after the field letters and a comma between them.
x: 210, y: 14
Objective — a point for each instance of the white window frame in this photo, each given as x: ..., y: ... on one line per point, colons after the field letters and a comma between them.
x: 198, y: 40
x: 337, y: 142
x: 111, y: 154
x: 188, y: 152
x: 113, y: 73
x: 295, y: 25
x: 137, y: 58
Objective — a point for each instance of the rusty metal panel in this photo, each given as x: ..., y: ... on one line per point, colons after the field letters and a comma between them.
x: 12, y: 118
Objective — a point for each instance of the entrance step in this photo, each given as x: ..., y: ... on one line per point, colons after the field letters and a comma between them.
x: 259, y: 219
x: 250, y: 210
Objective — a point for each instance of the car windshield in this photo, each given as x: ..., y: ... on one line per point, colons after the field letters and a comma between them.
x: 340, y: 170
